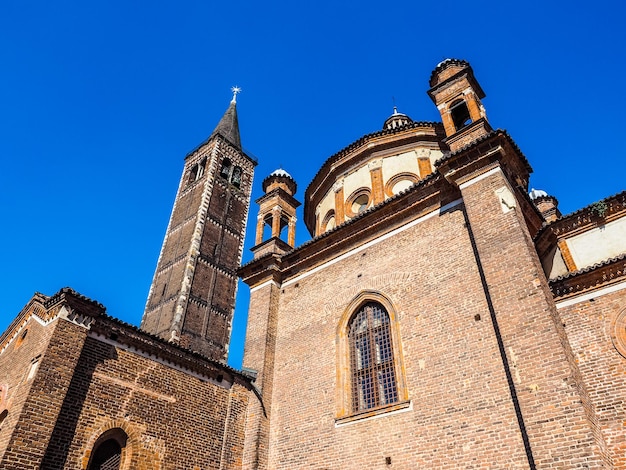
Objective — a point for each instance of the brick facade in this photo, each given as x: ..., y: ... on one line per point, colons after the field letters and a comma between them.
x: 489, y: 373
x: 95, y: 374
x: 490, y: 361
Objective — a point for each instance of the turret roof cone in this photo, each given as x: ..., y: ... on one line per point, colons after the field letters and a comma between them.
x: 228, y: 127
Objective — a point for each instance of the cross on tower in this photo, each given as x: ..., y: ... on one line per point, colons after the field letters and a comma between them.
x: 236, y: 90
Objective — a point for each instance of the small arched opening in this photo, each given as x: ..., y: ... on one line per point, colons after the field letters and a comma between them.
x: 460, y: 114
x: 108, y: 450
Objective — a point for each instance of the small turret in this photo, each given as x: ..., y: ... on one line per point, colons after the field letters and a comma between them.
x: 277, y: 210
x: 547, y: 205
x: 457, y: 95
x: 396, y: 120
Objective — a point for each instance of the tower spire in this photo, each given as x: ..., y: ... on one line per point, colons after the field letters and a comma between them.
x: 228, y: 127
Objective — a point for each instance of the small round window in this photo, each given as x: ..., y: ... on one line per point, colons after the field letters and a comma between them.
x: 360, y: 203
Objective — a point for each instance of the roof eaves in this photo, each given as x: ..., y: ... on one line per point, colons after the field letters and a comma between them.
x: 589, y: 269
x: 362, y: 140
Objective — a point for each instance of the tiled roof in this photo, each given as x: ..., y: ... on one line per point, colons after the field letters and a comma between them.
x: 584, y: 211
x: 588, y: 269
x: 141, y: 333
x: 481, y: 139
x: 359, y: 142
x: 444, y: 64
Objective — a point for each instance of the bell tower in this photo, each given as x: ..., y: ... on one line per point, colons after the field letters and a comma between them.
x: 192, y: 296
x: 457, y: 94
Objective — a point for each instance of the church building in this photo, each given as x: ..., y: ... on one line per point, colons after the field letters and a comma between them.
x: 443, y: 315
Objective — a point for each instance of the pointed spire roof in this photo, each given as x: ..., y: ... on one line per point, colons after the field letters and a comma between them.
x: 228, y: 127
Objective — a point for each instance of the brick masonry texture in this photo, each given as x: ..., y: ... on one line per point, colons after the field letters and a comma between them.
x: 452, y: 365
x: 192, y: 297
x: 590, y: 325
x: 87, y: 385
x: 496, y: 366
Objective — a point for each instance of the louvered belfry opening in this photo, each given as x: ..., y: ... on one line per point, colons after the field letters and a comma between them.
x: 371, y: 358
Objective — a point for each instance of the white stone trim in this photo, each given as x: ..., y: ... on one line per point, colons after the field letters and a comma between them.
x: 592, y: 295
x: 476, y: 179
x: 373, y: 242
x: 266, y: 283
x: 383, y: 414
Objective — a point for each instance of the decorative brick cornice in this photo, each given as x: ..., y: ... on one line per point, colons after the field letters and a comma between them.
x: 92, y: 315
x: 252, y: 159
x: 363, y: 147
x: 426, y: 195
x: 444, y: 64
x: 592, y: 277
x: 476, y: 145
x: 598, y: 213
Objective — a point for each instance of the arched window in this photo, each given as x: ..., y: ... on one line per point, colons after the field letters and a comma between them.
x: 226, y: 169
x: 460, y: 114
x: 329, y: 222
x: 107, y: 451
x: 201, y: 167
x: 358, y: 201
x: 193, y: 172
x: 230, y: 173
x: 372, y: 365
x: 236, y: 178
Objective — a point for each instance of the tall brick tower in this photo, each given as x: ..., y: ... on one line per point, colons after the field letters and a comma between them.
x: 192, y: 296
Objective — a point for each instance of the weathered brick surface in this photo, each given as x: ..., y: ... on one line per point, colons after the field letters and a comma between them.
x: 16, y: 361
x: 462, y: 414
x: 590, y: 327
x: 559, y: 419
x: 192, y: 296
x: 87, y: 384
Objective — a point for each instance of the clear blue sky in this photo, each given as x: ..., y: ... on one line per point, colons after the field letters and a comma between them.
x: 100, y: 102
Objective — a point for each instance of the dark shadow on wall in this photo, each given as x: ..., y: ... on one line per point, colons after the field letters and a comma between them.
x: 93, y: 353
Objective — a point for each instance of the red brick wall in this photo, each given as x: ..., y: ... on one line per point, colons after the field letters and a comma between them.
x: 590, y: 325
x: 558, y: 417
x: 461, y: 413
x: 173, y: 419
x: 15, y: 363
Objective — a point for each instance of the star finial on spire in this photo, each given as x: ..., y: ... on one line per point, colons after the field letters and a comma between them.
x: 236, y: 90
